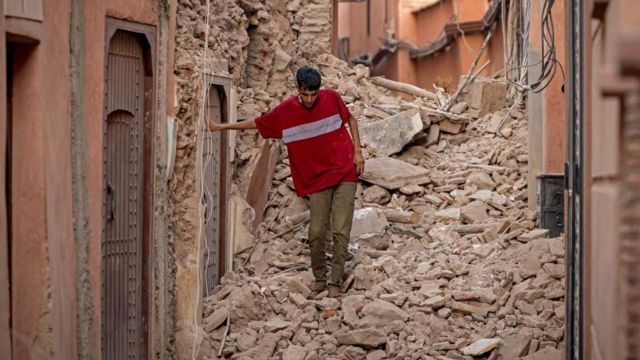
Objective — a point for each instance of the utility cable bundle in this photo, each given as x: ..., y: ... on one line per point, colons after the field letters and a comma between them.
x: 516, y: 45
x: 201, y: 125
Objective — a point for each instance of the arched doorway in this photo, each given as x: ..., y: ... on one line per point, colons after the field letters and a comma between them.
x: 214, y: 165
x: 125, y: 240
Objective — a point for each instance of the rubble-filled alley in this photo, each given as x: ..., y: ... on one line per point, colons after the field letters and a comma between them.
x: 494, y: 192
x: 445, y: 261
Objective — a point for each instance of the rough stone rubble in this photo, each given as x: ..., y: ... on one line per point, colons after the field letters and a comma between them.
x: 446, y: 261
x: 257, y: 44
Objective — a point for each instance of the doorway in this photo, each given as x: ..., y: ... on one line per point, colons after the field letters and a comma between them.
x: 126, y: 196
x: 214, y: 194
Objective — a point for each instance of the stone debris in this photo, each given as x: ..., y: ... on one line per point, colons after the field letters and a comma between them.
x: 480, y: 347
x: 377, y: 194
x: 389, y: 136
x: 381, y: 312
x: 393, y: 174
x: 515, y: 346
x: 532, y: 235
x: 368, y: 222
x: 367, y: 338
x: 486, y: 96
x: 444, y: 263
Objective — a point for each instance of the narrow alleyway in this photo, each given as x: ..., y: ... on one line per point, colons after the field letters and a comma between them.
x: 446, y: 261
x: 496, y: 217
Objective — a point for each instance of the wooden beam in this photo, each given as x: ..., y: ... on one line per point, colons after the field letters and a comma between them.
x: 403, y: 87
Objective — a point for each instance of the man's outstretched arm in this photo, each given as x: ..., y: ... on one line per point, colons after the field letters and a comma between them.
x: 242, y: 125
x: 358, y: 160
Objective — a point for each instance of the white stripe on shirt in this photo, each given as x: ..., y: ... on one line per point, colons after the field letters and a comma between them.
x: 316, y: 128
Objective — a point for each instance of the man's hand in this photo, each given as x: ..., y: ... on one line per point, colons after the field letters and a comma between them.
x: 243, y: 125
x: 214, y: 126
x: 358, y: 160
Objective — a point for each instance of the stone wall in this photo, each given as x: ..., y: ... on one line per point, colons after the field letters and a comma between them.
x: 258, y: 44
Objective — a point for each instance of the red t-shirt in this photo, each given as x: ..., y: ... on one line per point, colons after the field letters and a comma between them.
x: 320, y: 148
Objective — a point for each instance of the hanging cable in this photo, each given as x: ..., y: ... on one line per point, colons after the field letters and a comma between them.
x: 200, y: 148
x: 457, y: 20
x: 517, y: 72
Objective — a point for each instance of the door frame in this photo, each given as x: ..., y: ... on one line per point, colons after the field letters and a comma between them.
x: 223, y: 84
x: 149, y: 47
x: 574, y: 183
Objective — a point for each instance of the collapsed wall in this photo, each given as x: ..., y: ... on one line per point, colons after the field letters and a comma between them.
x: 445, y: 260
x: 257, y: 44
x: 455, y: 267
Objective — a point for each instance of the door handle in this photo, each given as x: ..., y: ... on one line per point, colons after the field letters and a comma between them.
x: 111, y: 193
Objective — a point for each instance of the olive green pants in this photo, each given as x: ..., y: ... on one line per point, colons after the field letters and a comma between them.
x: 334, y: 204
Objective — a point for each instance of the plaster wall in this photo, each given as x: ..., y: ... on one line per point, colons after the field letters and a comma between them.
x: 155, y: 14
x: 56, y: 176
x: 469, y: 10
x: 56, y: 92
x: 42, y: 249
x: 421, y: 28
x: 5, y: 300
x: 29, y: 259
x: 432, y: 21
x: 611, y: 143
x: 496, y: 51
x: 405, y: 69
x: 353, y: 24
x: 442, y: 69
x: 547, y: 109
x: 344, y: 19
x: 553, y: 106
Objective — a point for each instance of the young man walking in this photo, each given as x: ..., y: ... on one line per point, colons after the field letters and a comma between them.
x: 325, y: 164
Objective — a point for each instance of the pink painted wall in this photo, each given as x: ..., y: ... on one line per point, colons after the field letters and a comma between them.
x: 431, y: 22
x: 42, y: 247
x: 28, y: 225
x: 96, y: 11
x: 446, y: 67
x: 553, y: 99
x: 407, y: 29
x: 353, y: 23
x: 57, y: 166
x: 470, y: 10
x: 421, y: 28
x: 5, y: 300
x: 43, y: 308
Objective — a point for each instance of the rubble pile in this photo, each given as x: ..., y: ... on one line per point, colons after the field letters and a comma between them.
x: 257, y: 44
x: 445, y: 261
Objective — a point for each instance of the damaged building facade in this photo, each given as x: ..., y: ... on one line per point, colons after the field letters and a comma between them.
x: 129, y: 230
x: 422, y: 42
x: 84, y: 241
x: 434, y: 42
x: 116, y: 222
x: 255, y: 47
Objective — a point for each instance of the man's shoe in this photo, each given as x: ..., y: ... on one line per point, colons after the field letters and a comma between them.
x: 334, y: 291
x: 316, y: 289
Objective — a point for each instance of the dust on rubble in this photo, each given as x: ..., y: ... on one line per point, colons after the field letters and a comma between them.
x: 445, y: 261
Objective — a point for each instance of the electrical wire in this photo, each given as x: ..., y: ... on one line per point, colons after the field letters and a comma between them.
x: 517, y: 73
x: 200, y: 125
x: 457, y: 20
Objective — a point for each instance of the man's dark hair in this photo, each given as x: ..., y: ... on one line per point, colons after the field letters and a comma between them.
x: 308, y: 78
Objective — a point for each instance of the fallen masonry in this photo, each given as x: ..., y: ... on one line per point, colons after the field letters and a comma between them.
x: 445, y: 261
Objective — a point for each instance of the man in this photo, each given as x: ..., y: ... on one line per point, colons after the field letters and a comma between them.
x: 325, y: 165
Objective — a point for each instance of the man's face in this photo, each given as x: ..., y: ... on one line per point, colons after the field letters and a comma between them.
x: 307, y: 97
